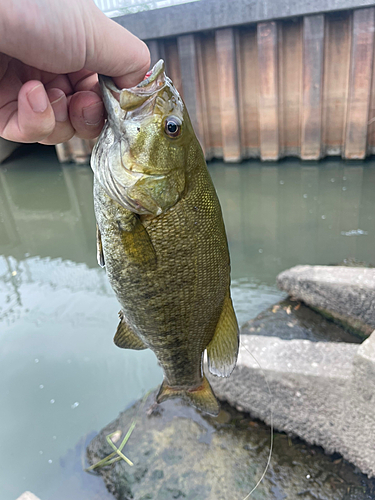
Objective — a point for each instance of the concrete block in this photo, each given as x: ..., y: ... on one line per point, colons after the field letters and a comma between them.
x: 346, y: 294
x: 321, y: 392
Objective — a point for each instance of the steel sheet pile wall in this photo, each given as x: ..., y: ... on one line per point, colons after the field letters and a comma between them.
x: 301, y: 87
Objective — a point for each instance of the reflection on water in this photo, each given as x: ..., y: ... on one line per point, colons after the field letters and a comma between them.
x: 61, y: 378
x: 280, y: 216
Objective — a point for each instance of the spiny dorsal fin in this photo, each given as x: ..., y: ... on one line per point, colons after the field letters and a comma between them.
x: 222, y: 351
x: 126, y: 338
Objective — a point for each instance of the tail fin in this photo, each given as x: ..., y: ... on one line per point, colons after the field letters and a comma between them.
x: 201, y: 397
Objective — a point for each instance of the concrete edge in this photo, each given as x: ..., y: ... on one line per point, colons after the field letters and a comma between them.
x: 212, y: 14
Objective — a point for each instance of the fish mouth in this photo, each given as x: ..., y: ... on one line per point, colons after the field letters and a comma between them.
x: 120, y: 179
x: 118, y: 102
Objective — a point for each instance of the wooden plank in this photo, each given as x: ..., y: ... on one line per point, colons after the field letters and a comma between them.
x: 227, y: 74
x: 311, y: 122
x: 248, y: 90
x: 268, y: 91
x: 336, y: 81
x: 190, y: 85
x: 360, y: 83
x: 290, y: 86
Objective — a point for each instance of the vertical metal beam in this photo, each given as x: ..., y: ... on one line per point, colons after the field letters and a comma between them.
x: 227, y: 74
x: 268, y: 91
x: 153, y: 47
x: 189, y: 75
x: 360, y: 83
x: 203, y: 86
x: 313, y: 51
x: 336, y: 81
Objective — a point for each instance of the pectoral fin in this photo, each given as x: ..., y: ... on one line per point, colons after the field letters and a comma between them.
x: 222, y: 351
x: 126, y: 338
x: 99, y: 248
x: 138, y: 245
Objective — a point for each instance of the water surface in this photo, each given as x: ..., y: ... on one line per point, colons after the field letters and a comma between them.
x: 61, y: 377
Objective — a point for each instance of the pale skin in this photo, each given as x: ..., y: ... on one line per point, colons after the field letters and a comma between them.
x: 50, y: 54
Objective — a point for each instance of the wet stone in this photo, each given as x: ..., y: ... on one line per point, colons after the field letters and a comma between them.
x: 344, y: 294
x: 172, y: 461
x: 290, y: 319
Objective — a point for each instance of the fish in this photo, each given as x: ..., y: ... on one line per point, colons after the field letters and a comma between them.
x: 162, y: 240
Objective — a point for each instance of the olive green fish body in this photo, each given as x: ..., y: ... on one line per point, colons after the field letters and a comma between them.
x: 170, y: 268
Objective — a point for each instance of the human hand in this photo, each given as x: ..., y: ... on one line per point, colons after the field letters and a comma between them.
x: 50, y: 54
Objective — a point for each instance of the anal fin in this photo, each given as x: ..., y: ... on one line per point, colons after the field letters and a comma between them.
x: 126, y: 338
x: 222, y: 351
x: 201, y: 397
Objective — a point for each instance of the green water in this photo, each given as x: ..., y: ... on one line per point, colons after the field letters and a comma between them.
x: 61, y: 377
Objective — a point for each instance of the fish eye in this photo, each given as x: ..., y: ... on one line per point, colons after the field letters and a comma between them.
x: 172, y: 126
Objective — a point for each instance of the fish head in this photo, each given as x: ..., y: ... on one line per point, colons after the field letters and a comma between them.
x: 140, y: 157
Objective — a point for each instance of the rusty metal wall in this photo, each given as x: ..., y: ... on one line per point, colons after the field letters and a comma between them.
x: 300, y: 87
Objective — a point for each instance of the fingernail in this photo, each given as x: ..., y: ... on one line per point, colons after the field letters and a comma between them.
x: 93, y: 114
x: 37, y: 98
x: 60, y: 109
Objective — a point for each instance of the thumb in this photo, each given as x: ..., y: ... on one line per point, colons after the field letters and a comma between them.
x: 116, y: 52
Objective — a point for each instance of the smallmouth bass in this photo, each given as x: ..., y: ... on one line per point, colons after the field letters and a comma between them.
x: 161, y: 238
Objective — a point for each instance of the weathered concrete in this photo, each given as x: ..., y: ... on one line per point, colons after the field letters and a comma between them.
x: 346, y: 294
x: 28, y: 496
x: 180, y: 453
x: 322, y: 392
x: 211, y: 14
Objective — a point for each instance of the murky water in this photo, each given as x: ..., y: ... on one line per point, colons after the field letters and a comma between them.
x: 61, y: 377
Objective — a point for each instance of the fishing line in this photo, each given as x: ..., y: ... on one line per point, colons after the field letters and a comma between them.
x: 271, y: 424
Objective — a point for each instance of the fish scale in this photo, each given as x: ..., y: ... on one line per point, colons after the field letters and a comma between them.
x: 168, y: 263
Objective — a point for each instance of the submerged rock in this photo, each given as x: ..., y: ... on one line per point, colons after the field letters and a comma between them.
x: 178, y: 453
x: 294, y: 320
x: 345, y: 294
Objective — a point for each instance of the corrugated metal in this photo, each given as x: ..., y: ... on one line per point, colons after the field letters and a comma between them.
x: 299, y: 87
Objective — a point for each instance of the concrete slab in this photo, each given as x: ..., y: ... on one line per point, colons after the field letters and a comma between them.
x: 345, y: 294
x: 321, y: 391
